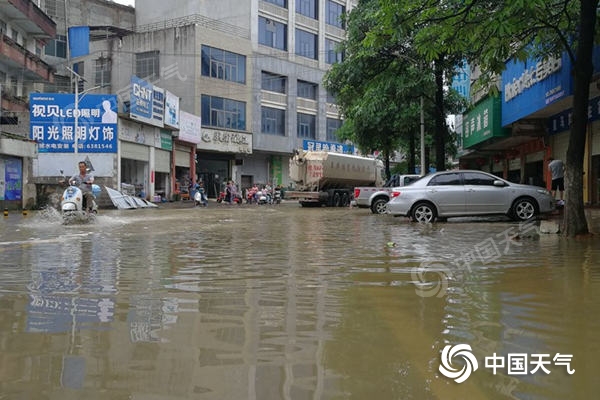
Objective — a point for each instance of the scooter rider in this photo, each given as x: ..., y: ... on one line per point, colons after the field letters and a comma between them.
x: 84, y: 181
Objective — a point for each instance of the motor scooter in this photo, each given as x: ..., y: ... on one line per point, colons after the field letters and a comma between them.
x: 71, y: 202
x: 199, y: 196
x: 222, y: 196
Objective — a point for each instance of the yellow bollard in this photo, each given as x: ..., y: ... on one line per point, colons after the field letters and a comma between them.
x: 6, y: 212
x: 24, y: 212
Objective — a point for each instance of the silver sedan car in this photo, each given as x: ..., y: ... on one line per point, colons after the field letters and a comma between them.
x: 468, y: 193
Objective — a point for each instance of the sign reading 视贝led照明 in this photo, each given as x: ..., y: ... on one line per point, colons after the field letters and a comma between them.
x: 53, y: 117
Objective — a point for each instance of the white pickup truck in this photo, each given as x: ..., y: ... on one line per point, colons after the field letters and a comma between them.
x: 375, y: 198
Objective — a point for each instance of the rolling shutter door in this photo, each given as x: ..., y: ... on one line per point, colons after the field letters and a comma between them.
x: 162, y: 161
x: 134, y: 151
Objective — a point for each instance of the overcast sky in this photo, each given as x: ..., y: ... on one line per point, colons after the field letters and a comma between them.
x: 126, y: 2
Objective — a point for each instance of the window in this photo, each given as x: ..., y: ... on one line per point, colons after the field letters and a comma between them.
x: 273, y: 82
x: 147, y: 64
x: 475, y: 178
x: 272, y: 121
x: 57, y: 47
x: 307, y: 8
x: 445, y: 179
x: 332, y: 55
x: 14, y: 35
x: 306, y: 126
x: 3, y: 27
x: 334, y: 13
x: 307, y: 90
x: 332, y: 126
x: 281, y: 3
x: 103, y: 68
x: 222, y: 64
x: 272, y: 33
x: 306, y: 44
x: 55, y: 8
x: 219, y: 112
x: 331, y: 98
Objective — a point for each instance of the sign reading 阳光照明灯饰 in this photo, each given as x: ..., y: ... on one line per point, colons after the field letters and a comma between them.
x: 53, y: 117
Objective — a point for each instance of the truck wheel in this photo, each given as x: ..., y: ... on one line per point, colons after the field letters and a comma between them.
x: 345, y: 200
x: 337, y: 199
x: 378, y: 206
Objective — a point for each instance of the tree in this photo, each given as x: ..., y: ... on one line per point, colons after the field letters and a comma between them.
x: 379, y: 86
x: 492, y: 32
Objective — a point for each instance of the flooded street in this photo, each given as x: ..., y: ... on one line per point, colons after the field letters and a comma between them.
x: 283, y: 302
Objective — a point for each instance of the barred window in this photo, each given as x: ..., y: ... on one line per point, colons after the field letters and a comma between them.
x: 147, y: 64
x: 103, y: 69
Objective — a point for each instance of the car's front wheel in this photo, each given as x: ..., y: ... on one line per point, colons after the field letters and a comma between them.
x: 378, y: 206
x: 423, y: 212
x: 524, y: 209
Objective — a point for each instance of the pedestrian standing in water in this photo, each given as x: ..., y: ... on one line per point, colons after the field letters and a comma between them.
x: 557, y: 169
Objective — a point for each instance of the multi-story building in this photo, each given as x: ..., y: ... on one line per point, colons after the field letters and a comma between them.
x: 24, y: 30
x: 252, y: 70
x: 86, y: 73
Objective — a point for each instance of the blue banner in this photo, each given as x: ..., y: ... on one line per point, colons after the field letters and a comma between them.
x: 53, y: 118
x: 13, y: 178
x: 79, y: 41
x: 315, y: 145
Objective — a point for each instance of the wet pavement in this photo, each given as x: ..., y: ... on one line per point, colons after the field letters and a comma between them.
x: 283, y: 302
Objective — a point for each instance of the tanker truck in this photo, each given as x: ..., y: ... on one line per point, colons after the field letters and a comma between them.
x: 325, y: 178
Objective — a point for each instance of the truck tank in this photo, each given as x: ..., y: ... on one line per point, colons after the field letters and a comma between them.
x: 320, y: 170
x: 320, y: 176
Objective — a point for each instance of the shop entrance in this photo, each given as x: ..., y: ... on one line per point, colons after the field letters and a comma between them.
x: 214, y: 174
x: 534, y: 173
x: 134, y: 181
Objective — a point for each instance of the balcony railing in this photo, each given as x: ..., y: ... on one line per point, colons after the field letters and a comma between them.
x: 16, y: 56
x: 26, y: 14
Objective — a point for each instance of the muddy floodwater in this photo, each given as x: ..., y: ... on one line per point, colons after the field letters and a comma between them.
x: 283, y: 302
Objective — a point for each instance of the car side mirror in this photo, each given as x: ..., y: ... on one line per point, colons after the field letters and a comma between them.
x: 499, y: 183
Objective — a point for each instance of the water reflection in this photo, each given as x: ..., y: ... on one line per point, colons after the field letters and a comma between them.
x: 288, y: 303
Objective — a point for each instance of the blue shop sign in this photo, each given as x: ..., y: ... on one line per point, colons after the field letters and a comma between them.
x: 562, y: 121
x: 147, y: 102
x: 315, y: 145
x: 531, y: 86
x: 53, y: 117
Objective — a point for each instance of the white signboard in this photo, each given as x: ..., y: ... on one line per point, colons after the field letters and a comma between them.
x: 226, y: 141
x: 190, y: 127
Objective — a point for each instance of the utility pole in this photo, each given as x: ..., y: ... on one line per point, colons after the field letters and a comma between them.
x: 76, y: 110
x: 423, y: 173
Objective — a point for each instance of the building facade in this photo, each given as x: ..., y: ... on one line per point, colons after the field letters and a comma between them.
x: 24, y: 31
x: 253, y: 72
x: 516, y: 133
